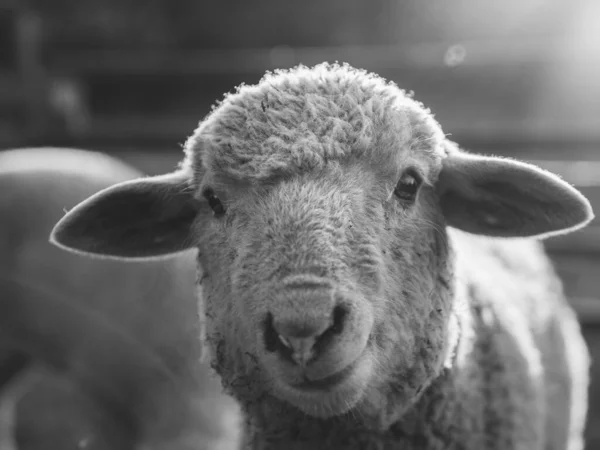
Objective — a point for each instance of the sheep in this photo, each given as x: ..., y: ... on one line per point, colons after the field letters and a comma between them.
x: 114, y: 346
x: 41, y: 409
x: 366, y: 282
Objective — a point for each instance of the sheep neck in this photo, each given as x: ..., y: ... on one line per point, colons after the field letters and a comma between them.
x: 273, y: 425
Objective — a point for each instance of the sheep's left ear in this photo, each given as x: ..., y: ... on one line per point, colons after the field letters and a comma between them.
x: 505, y: 198
x: 139, y: 219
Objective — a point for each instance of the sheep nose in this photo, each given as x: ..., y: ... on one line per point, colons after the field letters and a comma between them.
x: 302, y: 341
x: 299, y: 342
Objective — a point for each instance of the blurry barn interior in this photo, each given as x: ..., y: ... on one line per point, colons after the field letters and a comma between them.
x: 132, y: 78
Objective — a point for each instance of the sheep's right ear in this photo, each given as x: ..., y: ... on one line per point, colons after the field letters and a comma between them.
x: 139, y: 219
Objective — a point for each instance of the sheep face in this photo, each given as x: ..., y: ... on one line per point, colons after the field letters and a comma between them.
x: 319, y: 201
x: 327, y: 285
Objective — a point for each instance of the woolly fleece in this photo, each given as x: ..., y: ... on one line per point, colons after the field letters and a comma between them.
x: 518, y: 337
x: 301, y: 119
x: 448, y: 340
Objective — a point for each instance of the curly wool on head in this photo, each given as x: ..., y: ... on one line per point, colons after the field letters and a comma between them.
x: 300, y: 119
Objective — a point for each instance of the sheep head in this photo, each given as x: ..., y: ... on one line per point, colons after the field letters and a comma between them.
x: 319, y: 202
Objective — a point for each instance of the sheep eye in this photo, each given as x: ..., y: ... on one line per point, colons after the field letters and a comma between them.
x: 408, y: 186
x: 214, y: 202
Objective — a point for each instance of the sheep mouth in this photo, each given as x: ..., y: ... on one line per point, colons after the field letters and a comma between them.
x: 332, y: 395
x: 329, y: 382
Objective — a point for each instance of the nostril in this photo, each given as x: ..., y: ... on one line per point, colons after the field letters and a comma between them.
x: 339, y: 318
x: 271, y: 337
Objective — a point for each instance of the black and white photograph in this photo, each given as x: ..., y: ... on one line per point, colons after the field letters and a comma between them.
x: 310, y: 225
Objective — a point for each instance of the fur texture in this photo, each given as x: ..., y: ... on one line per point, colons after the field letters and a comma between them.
x: 297, y: 121
x: 491, y: 390
x: 328, y: 199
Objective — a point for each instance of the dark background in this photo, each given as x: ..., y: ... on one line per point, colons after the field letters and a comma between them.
x: 133, y: 78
